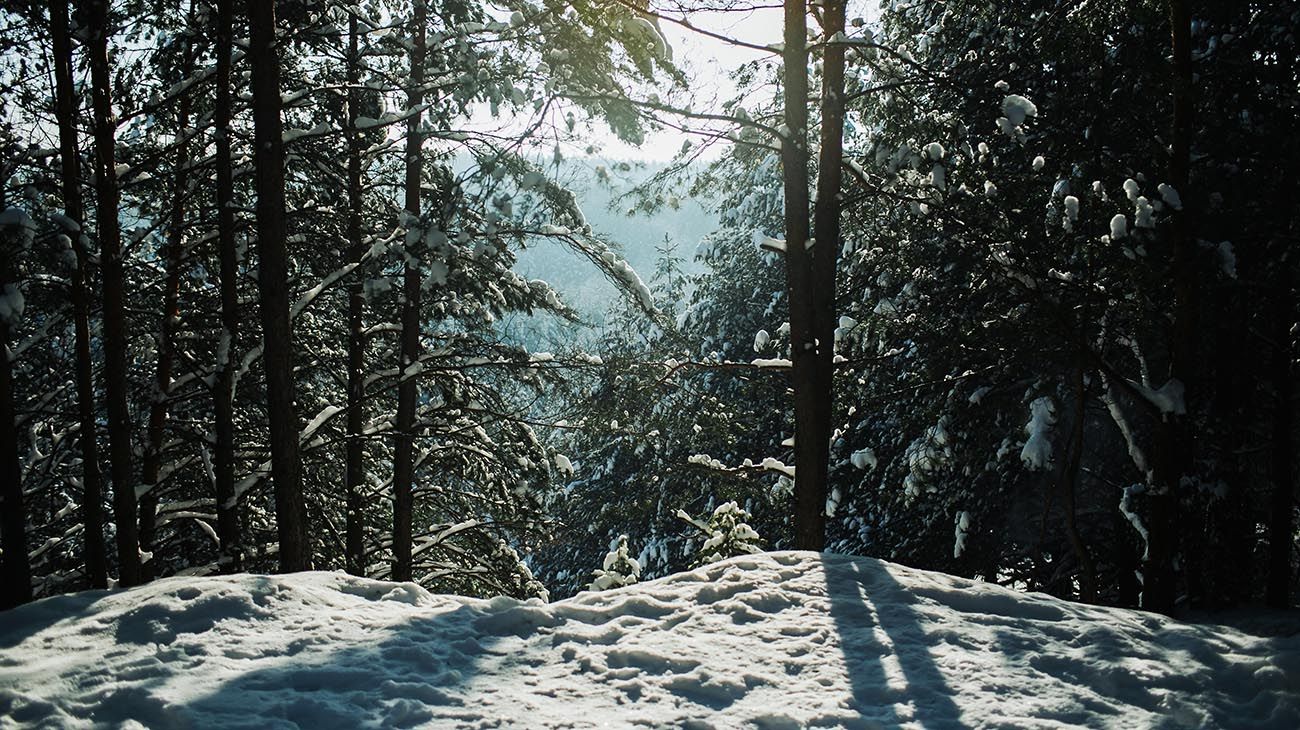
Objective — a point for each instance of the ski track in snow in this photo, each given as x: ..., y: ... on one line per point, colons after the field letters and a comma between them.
x: 778, y: 640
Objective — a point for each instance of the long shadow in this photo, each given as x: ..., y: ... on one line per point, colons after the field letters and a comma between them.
x: 21, y: 622
x: 417, y: 668
x: 861, y: 602
x: 400, y: 673
x: 1187, y: 679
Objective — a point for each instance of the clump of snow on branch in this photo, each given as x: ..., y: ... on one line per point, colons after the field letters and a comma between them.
x: 961, y: 526
x: 1015, y: 110
x: 619, y: 569
x: 1037, y: 453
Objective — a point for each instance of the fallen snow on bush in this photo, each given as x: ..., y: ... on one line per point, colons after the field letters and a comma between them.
x: 773, y: 640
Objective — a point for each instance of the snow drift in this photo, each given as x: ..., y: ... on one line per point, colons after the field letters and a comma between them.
x: 774, y: 640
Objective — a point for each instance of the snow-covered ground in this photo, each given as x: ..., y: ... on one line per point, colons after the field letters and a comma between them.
x: 771, y: 641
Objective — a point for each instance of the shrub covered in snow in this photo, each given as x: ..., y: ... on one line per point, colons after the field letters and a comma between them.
x: 619, y: 569
x: 727, y: 534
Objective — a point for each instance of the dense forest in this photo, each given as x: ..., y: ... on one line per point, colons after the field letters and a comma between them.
x: 1006, y: 290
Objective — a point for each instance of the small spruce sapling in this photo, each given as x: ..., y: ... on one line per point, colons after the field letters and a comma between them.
x: 727, y: 534
x: 620, y: 569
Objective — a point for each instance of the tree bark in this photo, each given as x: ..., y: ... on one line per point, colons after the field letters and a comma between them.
x: 810, y: 527
x: 404, y: 432
x: 15, y: 570
x: 1281, y: 524
x: 1069, y: 487
x: 810, y: 486
x: 115, y: 337
x: 65, y: 112
x: 224, y: 387
x: 1173, y: 456
x: 273, y: 285
x: 174, y: 258
x: 355, y: 551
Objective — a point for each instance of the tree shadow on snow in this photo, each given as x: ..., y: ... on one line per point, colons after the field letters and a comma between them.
x: 404, y: 674
x: 882, y: 637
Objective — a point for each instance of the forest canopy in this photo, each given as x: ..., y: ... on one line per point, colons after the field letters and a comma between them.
x: 1005, y: 290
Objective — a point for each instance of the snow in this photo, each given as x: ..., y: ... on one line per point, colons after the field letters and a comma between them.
x: 1227, y: 259
x: 938, y: 177
x: 1037, y: 453
x: 563, y: 465
x: 1170, y: 195
x: 1071, y: 207
x: 1118, y: 227
x: 324, y: 415
x: 1131, y: 189
x: 1015, y: 109
x: 961, y: 527
x: 864, y: 459
x: 1168, y: 398
x: 12, y: 304
x: 790, y: 639
x: 19, y: 223
x: 1143, y: 214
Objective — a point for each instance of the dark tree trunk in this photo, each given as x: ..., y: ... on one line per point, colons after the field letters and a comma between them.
x: 404, y: 432
x: 810, y: 485
x: 224, y: 386
x: 16, y: 581
x: 115, y: 336
x: 1173, y: 458
x: 151, y: 467
x: 355, y: 551
x: 1069, y: 488
x: 65, y: 112
x: 273, y: 285
x: 1281, y: 523
x: 810, y: 508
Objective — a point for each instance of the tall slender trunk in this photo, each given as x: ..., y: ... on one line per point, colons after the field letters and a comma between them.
x: 65, y: 112
x: 814, y: 453
x: 355, y: 551
x: 223, y: 393
x: 404, y: 448
x: 1281, y: 520
x: 1281, y: 527
x: 174, y: 258
x: 810, y: 487
x: 1069, y: 488
x: 273, y: 285
x: 15, y: 569
x: 1173, y: 456
x: 110, y: 251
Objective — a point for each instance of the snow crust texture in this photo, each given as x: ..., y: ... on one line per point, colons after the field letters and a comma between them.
x: 777, y: 640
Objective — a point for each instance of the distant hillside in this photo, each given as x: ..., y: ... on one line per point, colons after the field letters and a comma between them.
x: 636, y: 235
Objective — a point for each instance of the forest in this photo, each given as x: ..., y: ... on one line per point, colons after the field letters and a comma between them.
x: 1004, y: 290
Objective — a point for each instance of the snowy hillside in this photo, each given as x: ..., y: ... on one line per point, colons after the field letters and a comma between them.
x: 776, y: 640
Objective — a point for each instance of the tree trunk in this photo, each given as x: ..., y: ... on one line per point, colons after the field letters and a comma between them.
x: 404, y: 433
x: 224, y: 390
x: 814, y: 456
x: 1173, y: 456
x: 273, y: 285
x: 115, y: 336
x: 175, y: 249
x: 1069, y: 487
x: 16, y: 577
x: 1281, y: 524
x: 810, y: 486
x: 355, y: 551
x: 65, y: 112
